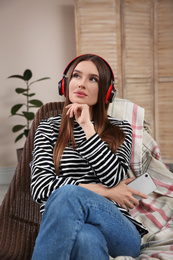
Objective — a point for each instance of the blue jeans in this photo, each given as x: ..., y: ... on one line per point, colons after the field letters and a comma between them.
x: 80, y: 224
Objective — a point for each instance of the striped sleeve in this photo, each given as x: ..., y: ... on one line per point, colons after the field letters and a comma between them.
x: 43, y: 178
x: 109, y: 167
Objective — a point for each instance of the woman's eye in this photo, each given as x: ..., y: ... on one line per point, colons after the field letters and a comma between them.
x: 75, y: 75
x: 94, y: 79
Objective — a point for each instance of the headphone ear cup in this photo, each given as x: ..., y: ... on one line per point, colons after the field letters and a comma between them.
x: 111, y: 92
x: 62, y: 86
x: 59, y: 87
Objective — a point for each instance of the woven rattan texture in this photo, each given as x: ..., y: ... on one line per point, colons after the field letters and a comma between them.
x: 19, y: 215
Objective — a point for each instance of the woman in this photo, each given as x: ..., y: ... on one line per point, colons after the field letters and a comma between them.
x: 80, y: 161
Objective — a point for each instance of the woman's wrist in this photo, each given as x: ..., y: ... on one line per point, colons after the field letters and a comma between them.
x: 88, y: 129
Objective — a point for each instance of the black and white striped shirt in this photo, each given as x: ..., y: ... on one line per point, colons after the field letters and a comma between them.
x: 91, y: 162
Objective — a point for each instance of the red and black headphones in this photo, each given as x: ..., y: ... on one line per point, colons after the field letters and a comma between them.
x: 111, y: 91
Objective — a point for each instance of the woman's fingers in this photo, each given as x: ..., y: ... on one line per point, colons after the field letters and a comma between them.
x: 80, y: 111
x: 133, y: 191
x: 127, y: 181
x: 134, y: 201
x: 138, y: 193
x: 124, y: 195
x: 130, y: 203
x: 70, y: 110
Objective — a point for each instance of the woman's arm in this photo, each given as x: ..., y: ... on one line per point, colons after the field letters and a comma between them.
x: 82, y: 116
x: 110, y: 168
x: 43, y: 178
x: 121, y: 193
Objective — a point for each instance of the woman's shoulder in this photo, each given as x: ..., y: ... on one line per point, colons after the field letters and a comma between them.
x: 51, y: 120
x: 119, y: 122
x: 50, y: 123
x: 123, y: 124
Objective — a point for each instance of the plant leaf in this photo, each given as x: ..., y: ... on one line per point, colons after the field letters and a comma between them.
x: 16, y: 76
x: 39, y: 80
x: 19, y: 137
x: 20, y: 90
x: 26, y: 132
x: 29, y: 95
x: 36, y: 102
x: 15, y: 108
x: 16, y: 128
x: 28, y: 115
x: 27, y: 75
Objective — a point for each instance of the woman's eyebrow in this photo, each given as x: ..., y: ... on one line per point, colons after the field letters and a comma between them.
x: 77, y: 71
x: 93, y: 75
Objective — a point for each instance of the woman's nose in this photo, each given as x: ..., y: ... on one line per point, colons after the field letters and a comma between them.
x: 81, y: 86
x: 82, y: 83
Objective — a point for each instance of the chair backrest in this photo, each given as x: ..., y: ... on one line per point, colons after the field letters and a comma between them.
x: 19, y: 215
x: 134, y: 114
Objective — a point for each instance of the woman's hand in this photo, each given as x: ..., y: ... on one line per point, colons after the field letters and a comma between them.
x: 121, y: 193
x: 82, y: 116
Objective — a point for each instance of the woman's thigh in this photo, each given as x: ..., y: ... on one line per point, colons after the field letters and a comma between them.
x: 120, y: 233
x: 78, y: 206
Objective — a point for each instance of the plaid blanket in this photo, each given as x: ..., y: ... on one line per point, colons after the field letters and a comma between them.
x: 156, y: 212
x: 126, y: 110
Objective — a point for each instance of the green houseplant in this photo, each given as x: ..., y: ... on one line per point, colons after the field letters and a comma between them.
x: 23, y: 109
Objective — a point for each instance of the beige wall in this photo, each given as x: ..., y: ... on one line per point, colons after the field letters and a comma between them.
x: 34, y: 34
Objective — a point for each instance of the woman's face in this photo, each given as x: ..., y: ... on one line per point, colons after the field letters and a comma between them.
x: 84, y: 84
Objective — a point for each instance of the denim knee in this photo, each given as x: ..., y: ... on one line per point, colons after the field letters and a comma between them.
x: 65, y: 191
x: 61, y: 195
x: 68, y: 194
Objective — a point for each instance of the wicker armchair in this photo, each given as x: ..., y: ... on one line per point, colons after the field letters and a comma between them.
x: 19, y: 215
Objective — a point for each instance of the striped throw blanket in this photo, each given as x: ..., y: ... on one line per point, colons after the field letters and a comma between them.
x: 155, y: 212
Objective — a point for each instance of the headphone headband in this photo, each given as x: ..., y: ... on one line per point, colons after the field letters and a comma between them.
x: 111, y: 91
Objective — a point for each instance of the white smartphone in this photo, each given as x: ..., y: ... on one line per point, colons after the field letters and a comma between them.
x: 144, y: 184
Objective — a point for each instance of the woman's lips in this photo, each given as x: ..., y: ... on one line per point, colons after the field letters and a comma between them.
x: 80, y: 94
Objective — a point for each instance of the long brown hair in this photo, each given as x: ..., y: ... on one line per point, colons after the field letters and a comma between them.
x: 109, y: 133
